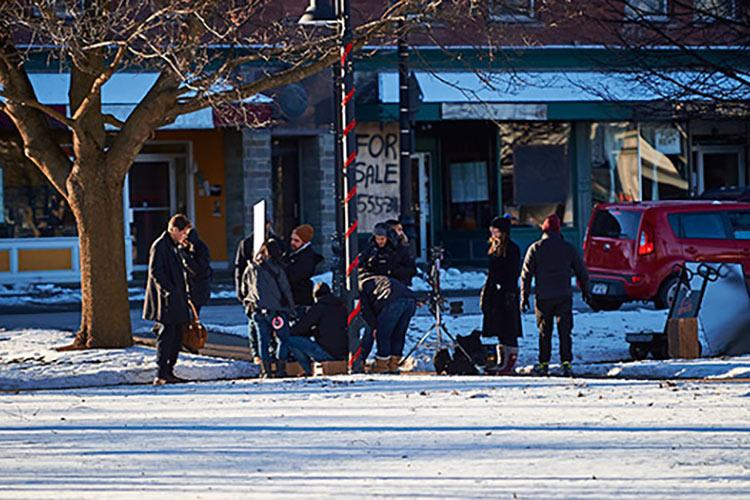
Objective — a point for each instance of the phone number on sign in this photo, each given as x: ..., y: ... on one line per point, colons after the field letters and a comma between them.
x: 376, y: 205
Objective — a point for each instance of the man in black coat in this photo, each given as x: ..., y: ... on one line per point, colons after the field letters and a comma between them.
x: 550, y: 261
x: 386, y: 257
x: 387, y: 307
x: 196, y: 259
x: 499, y: 300
x: 300, y: 263
x: 326, y: 322
x: 167, y: 297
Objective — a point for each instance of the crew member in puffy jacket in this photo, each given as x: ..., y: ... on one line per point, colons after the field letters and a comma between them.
x: 386, y: 257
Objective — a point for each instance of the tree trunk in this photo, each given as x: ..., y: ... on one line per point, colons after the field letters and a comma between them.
x: 96, y: 202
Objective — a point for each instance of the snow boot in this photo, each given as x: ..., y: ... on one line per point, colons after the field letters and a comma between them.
x: 567, y: 370
x: 393, y: 363
x: 540, y: 370
x: 263, y: 369
x: 381, y: 365
x: 507, y: 357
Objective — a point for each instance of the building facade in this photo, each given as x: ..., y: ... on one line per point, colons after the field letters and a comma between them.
x: 552, y: 126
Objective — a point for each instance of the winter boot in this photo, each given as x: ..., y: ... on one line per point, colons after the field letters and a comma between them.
x: 393, y: 363
x: 567, y: 370
x: 540, y: 370
x: 507, y: 357
x: 492, y: 369
x: 263, y: 369
x: 381, y: 365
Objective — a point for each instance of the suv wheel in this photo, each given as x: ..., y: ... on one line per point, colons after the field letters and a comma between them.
x: 598, y: 304
x: 666, y: 293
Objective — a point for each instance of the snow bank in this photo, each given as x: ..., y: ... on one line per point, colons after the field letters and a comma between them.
x: 28, y: 360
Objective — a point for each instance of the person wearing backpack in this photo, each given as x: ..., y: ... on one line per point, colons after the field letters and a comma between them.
x: 267, y: 298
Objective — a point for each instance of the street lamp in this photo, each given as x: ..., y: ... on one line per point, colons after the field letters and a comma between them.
x: 322, y: 13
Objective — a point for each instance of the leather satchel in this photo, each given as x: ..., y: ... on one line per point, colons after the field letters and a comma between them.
x: 194, y: 334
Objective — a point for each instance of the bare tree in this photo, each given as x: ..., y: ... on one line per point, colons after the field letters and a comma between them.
x: 690, y: 55
x: 207, y: 53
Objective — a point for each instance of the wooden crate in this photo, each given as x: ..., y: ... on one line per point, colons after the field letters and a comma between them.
x: 330, y: 368
x: 682, y: 337
x: 294, y: 369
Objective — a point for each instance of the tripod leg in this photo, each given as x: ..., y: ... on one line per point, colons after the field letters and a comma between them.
x: 419, y: 343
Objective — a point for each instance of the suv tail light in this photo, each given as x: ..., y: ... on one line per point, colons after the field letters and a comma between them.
x: 646, y: 241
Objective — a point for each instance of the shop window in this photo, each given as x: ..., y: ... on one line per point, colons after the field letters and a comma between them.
x: 631, y: 163
x: 709, y: 11
x: 469, y: 188
x: 31, y: 207
x: 512, y: 10
x: 535, y: 171
x: 647, y: 9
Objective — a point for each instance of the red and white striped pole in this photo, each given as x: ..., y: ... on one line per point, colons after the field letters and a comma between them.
x: 348, y: 146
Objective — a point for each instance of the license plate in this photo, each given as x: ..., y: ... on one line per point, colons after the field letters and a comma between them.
x: 599, y: 289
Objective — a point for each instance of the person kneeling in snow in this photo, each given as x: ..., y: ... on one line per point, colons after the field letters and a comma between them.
x: 267, y: 296
x: 387, y: 307
x: 326, y: 322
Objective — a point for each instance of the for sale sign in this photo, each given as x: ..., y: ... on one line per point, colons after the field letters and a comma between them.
x: 377, y: 174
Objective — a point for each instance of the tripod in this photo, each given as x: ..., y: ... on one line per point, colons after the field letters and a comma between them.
x: 436, y: 306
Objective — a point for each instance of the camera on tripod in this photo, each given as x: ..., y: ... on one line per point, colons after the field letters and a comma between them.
x: 436, y: 298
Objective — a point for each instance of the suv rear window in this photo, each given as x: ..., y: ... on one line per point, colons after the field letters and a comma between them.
x: 614, y: 223
x: 740, y: 225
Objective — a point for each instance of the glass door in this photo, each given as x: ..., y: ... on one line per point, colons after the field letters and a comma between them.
x: 420, y: 174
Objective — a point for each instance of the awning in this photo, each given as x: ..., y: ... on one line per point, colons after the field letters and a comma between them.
x: 121, y: 94
x: 525, y: 95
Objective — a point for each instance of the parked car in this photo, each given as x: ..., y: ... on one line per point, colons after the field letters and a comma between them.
x: 631, y: 249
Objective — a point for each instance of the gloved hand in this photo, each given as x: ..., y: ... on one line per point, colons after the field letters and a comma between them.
x: 525, y: 304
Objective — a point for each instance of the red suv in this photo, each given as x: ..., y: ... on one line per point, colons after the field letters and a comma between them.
x: 631, y: 249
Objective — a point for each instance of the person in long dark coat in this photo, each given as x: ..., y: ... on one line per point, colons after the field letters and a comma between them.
x: 499, y: 300
x: 167, y: 297
x: 197, y: 261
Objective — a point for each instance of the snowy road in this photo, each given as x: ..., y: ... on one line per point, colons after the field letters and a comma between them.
x: 358, y: 437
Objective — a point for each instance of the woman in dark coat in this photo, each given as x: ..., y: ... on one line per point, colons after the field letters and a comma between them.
x: 499, y: 300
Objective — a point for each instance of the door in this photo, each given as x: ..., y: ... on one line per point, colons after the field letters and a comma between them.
x: 720, y: 166
x: 152, y: 197
x: 286, y: 185
x: 420, y: 175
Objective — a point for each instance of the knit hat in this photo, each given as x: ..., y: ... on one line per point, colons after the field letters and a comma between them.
x: 501, y: 223
x: 305, y: 232
x: 551, y: 224
x: 380, y: 229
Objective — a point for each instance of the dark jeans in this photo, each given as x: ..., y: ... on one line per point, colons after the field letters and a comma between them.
x: 393, y: 321
x: 368, y: 340
x: 266, y: 331
x: 168, y: 344
x: 547, y: 310
x: 305, y: 350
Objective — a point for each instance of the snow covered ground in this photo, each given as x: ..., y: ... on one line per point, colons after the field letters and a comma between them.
x: 28, y: 360
x: 390, y: 437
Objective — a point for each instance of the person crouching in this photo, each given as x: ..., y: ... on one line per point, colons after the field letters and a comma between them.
x: 267, y: 296
x: 387, y: 307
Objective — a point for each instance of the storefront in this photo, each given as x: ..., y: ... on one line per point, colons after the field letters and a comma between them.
x: 517, y: 150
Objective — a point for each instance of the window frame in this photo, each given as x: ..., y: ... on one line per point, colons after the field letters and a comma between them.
x: 513, y: 18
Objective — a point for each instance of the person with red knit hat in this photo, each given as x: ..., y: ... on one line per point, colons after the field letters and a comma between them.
x: 300, y: 263
x: 550, y: 261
